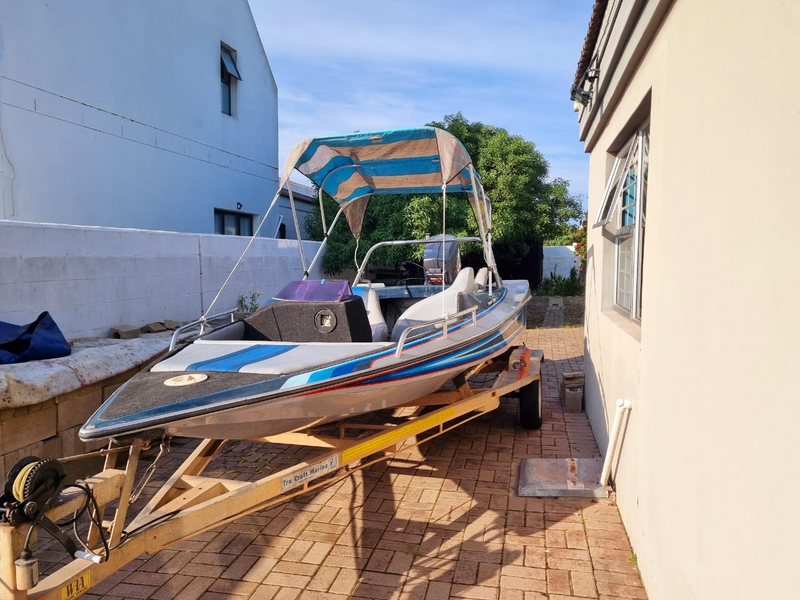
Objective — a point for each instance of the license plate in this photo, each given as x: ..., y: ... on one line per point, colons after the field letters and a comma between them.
x: 76, y: 587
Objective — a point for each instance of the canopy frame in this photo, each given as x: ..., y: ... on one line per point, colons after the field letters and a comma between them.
x: 321, y: 158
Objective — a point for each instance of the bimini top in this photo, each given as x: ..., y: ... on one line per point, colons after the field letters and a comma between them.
x: 400, y: 161
x: 351, y: 168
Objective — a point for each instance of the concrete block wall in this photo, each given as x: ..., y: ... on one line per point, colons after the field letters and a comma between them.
x: 94, y: 278
x: 50, y: 429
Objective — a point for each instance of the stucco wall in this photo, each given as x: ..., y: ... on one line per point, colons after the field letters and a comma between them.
x: 110, y: 114
x: 93, y: 278
x: 706, y: 483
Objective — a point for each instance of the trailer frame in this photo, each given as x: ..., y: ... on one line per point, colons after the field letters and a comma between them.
x: 190, y: 502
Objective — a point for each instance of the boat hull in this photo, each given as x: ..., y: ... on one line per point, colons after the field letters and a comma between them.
x: 366, y: 384
x: 291, y: 413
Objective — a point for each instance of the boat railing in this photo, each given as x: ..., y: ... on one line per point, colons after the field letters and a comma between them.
x: 365, y: 262
x: 473, y: 312
x: 202, y: 321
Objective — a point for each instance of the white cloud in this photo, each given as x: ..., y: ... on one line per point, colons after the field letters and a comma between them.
x: 380, y: 64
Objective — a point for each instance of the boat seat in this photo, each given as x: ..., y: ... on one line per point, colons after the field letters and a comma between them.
x: 430, y: 308
x: 380, y: 331
x: 481, y: 279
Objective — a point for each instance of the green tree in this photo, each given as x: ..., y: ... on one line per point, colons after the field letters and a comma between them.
x: 526, y: 206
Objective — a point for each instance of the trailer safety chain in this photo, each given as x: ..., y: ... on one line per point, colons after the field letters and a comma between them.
x: 149, y: 472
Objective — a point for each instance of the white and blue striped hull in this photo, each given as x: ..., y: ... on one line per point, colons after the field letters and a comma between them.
x: 372, y: 381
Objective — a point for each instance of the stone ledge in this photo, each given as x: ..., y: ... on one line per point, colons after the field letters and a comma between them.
x: 92, y: 360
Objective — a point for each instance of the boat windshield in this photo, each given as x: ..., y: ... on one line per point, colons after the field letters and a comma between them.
x: 315, y: 290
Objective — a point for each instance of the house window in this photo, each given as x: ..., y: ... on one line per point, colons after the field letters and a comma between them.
x: 229, y: 73
x: 623, y: 214
x: 227, y: 222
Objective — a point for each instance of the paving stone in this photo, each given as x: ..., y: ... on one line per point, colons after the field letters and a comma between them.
x: 583, y: 584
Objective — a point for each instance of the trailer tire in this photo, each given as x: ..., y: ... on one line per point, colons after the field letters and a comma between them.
x: 530, y: 406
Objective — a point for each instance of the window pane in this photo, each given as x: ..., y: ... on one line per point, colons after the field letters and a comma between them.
x: 219, y: 229
x: 625, y: 273
x: 246, y: 225
x: 629, y: 198
x: 226, y: 98
x: 231, y: 224
x: 606, y: 209
x: 228, y: 64
x: 617, y: 182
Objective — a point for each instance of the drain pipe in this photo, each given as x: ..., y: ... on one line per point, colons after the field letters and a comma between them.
x: 623, y: 406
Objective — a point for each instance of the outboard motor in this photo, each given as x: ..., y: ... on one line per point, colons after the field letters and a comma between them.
x: 433, y: 260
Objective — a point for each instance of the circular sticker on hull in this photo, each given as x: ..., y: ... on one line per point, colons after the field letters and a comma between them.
x: 188, y: 379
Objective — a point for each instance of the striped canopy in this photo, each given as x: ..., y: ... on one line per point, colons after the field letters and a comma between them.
x: 401, y: 161
x: 351, y: 168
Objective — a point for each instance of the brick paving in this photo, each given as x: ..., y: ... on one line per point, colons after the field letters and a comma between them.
x: 554, y: 315
x: 440, y: 521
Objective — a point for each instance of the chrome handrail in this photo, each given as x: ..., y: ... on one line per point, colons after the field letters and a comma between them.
x: 364, y: 262
x: 202, y: 322
x: 401, y: 342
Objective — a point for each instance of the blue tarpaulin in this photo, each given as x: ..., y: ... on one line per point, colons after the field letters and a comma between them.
x: 35, y: 341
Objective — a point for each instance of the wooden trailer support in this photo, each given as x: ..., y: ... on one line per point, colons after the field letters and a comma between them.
x: 190, y: 503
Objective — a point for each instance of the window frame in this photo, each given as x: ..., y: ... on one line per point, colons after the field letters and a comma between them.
x: 635, y: 154
x: 221, y: 212
x: 229, y: 73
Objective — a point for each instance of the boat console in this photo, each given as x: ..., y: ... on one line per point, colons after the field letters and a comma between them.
x: 311, y: 310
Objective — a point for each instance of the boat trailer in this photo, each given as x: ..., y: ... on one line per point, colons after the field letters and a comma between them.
x: 37, y: 495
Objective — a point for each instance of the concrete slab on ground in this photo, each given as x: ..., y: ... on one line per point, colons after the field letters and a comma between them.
x: 561, y: 478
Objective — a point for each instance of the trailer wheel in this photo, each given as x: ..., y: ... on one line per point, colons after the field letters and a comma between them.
x: 530, y: 406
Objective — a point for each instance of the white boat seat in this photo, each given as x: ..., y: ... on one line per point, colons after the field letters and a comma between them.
x: 380, y: 331
x: 481, y: 279
x: 430, y: 308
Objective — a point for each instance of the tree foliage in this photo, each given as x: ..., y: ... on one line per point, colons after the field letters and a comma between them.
x: 526, y: 205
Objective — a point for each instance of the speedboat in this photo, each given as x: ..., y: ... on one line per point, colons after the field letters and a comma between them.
x: 324, y: 350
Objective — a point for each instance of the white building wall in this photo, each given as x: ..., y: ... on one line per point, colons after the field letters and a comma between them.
x: 705, y: 481
x: 282, y: 213
x: 93, y: 278
x: 110, y: 113
x: 559, y: 260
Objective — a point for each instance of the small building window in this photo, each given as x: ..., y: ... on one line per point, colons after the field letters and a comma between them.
x: 227, y: 222
x: 623, y: 212
x: 229, y: 74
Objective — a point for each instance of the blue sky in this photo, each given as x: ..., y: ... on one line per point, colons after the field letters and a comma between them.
x: 380, y: 64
